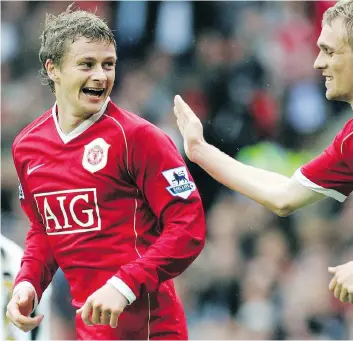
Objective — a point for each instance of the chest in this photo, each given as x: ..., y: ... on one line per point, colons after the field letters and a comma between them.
x: 75, y: 185
x: 96, y: 161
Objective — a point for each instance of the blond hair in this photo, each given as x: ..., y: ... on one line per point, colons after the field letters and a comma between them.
x: 342, y: 9
x: 64, y: 29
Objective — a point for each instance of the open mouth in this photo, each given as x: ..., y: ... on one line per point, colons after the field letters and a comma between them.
x: 93, y: 92
x: 329, y: 79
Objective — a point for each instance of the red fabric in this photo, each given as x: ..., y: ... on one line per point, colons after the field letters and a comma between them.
x: 265, y: 112
x: 121, y: 220
x: 320, y: 8
x: 157, y: 316
x: 333, y: 169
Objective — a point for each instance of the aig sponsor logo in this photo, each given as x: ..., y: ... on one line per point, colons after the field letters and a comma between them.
x: 70, y: 211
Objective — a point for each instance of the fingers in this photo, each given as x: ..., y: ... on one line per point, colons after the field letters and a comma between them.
x: 176, y: 112
x: 337, y: 290
x: 114, y: 319
x: 179, y: 103
x: 343, y: 297
x: 96, y: 315
x: 99, y: 315
x: 24, y: 323
x: 13, y: 310
x: 332, y: 284
x: 105, y: 318
x: 342, y: 282
x: 27, y: 323
x: 350, y: 297
x: 180, y: 120
x: 341, y: 292
x: 182, y: 107
x: 332, y: 269
x: 85, y: 312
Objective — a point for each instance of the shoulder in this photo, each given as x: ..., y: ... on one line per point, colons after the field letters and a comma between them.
x: 132, y: 125
x: 36, y: 124
x: 345, y: 137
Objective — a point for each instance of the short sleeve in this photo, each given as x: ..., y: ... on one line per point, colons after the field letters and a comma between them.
x: 329, y: 173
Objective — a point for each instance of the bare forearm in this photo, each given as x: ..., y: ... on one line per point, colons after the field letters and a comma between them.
x: 266, y: 188
x: 278, y: 193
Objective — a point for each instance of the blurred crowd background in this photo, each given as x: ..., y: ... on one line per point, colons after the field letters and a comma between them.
x: 245, y: 67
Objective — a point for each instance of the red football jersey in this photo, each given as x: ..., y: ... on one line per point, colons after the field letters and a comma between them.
x: 112, y: 199
x: 331, y: 173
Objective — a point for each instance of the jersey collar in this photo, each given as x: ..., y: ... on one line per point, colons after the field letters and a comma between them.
x: 82, y: 127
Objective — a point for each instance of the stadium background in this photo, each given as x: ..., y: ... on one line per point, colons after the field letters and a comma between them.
x: 246, y: 70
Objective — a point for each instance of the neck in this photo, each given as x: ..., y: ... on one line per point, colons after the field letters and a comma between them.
x: 68, y: 118
x: 68, y: 121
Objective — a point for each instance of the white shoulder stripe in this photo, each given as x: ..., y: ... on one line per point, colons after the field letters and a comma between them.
x: 344, y: 141
x: 299, y: 176
x: 126, y: 145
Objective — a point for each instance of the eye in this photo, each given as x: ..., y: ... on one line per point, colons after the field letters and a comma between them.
x: 86, y: 65
x: 329, y: 52
x: 108, y: 65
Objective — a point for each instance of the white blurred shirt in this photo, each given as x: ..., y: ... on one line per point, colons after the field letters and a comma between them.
x: 11, y: 255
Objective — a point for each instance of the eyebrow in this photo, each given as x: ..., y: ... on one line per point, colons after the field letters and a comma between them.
x: 113, y: 58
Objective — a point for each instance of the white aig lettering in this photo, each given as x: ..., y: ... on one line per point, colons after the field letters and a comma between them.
x: 69, y: 211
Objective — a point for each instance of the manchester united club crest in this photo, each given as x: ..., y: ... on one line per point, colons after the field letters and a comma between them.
x: 95, y: 156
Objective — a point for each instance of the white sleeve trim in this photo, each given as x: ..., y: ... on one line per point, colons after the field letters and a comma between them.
x: 300, y: 177
x: 119, y: 285
x: 26, y: 284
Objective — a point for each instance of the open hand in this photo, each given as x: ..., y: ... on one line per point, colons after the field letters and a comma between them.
x: 189, y: 125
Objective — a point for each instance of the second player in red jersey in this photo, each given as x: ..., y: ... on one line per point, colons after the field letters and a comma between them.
x: 330, y: 174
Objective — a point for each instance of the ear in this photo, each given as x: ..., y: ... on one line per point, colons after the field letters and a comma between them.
x: 52, y: 70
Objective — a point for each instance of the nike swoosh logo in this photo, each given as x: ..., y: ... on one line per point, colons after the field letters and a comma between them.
x: 30, y: 170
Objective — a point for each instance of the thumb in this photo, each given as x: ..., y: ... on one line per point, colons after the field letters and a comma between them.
x: 39, y: 318
x: 23, y: 298
x: 79, y: 311
x: 332, y: 269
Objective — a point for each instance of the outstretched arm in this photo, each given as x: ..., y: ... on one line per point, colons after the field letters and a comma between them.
x: 280, y: 194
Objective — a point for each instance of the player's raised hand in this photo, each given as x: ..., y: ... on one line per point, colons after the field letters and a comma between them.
x: 104, y: 306
x: 19, y: 309
x: 189, y: 125
x: 342, y: 282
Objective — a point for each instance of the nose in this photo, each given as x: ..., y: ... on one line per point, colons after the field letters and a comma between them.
x: 99, y: 74
x: 320, y: 62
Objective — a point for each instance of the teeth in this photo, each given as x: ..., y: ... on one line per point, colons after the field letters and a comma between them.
x: 329, y: 78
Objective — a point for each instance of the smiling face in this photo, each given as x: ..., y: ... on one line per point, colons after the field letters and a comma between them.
x: 335, y: 60
x: 85, y: 77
